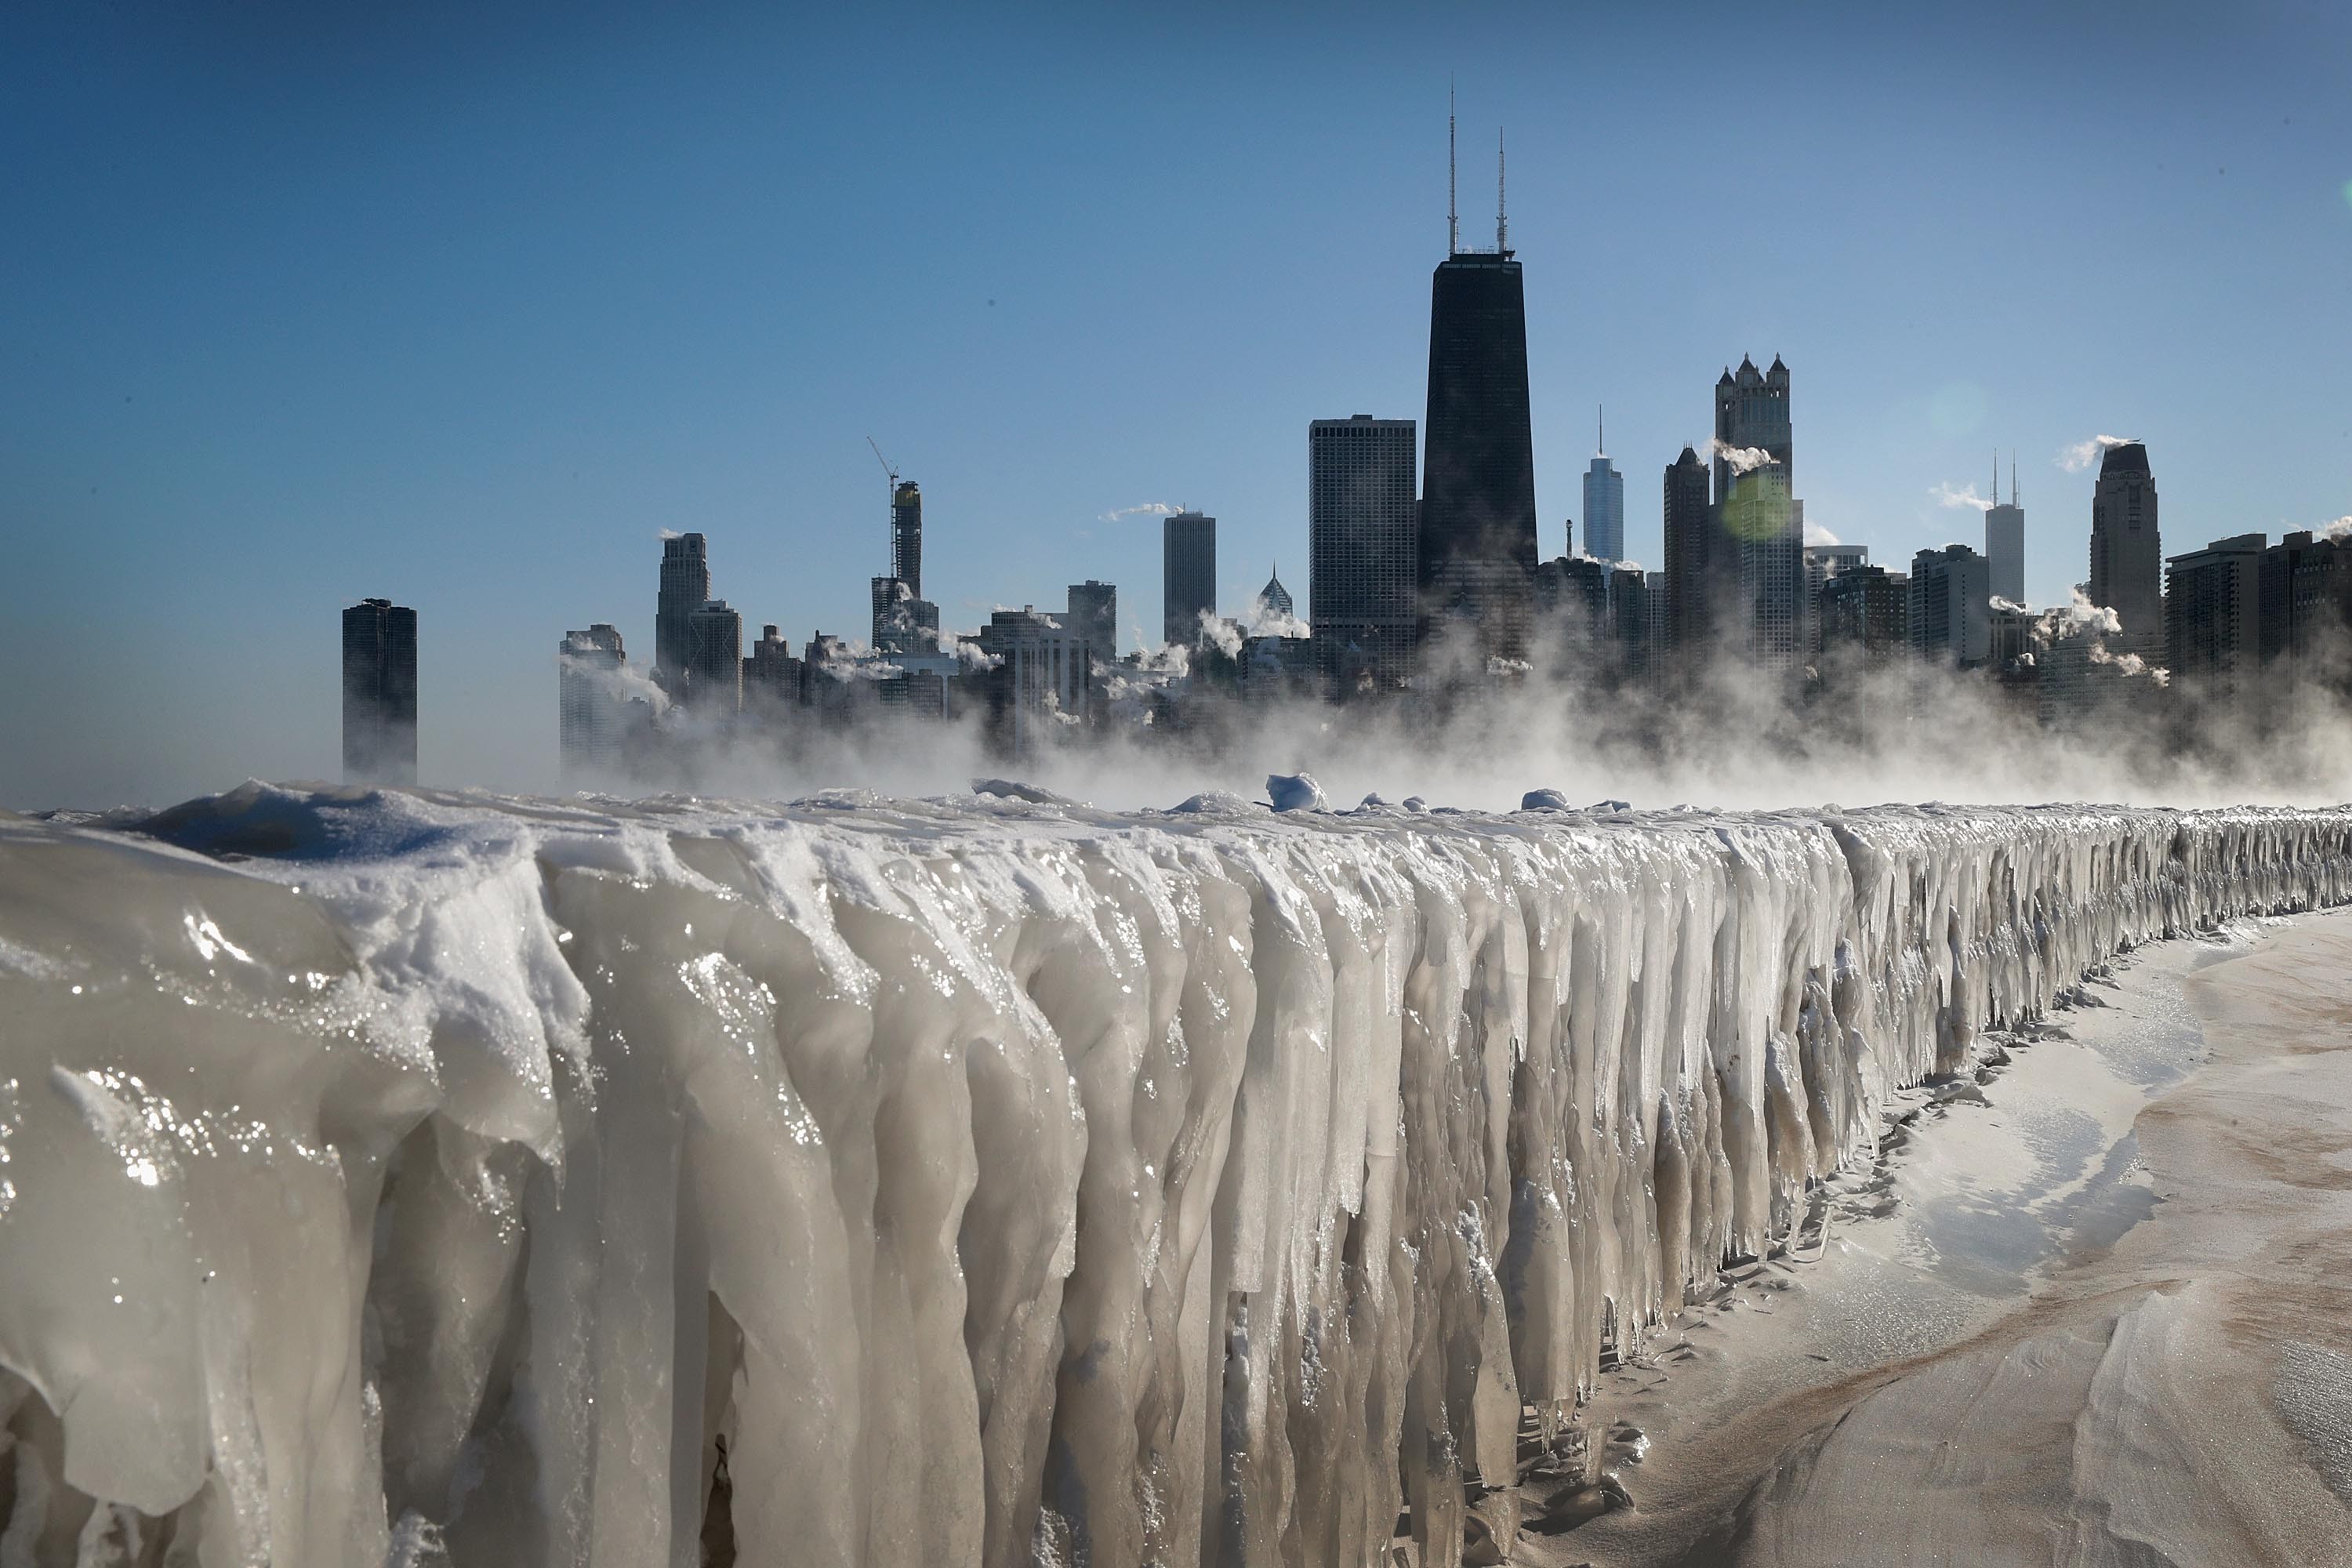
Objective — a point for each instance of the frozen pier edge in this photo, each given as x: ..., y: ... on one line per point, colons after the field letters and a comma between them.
x: 1003, y: 1181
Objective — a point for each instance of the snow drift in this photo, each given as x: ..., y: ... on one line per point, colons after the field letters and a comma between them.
x: 394, y: 1176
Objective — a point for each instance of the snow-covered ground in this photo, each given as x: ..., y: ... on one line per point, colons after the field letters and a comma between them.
x: 993, y: 1180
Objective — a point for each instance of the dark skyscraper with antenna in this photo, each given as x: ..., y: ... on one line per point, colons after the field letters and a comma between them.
x: 2005, y: 538
x: 1478, y: 544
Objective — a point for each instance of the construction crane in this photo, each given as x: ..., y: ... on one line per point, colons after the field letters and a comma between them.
x: 885, y: 464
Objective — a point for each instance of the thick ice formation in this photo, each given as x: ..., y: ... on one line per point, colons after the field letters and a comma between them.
x: 999, y: 1181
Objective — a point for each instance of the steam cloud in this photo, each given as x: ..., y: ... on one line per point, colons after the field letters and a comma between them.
x: 1743, y: 459
x: 1222, y: 633
x: 2083, y: 454
x: 1965, y: 496
x: 1264, y: 621
x: 1816, y: 535
x: 625, y: 683
x: 1153, y: 508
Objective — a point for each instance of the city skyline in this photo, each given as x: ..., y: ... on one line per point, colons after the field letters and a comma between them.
x: 193, y: 448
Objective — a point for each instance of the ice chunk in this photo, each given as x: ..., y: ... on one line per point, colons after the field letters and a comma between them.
x: 1293, y: 792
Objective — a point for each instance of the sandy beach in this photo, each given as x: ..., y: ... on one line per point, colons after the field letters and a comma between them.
x: 2093, y: 1306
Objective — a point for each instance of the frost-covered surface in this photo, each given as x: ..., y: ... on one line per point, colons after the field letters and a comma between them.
x: 384, y: 1175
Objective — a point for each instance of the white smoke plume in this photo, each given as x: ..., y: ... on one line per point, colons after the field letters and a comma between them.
x: 2077, y: 614
x: 1743, y: 459
x: 626, y: 682
x: 1263, y: 620
x: 1151, y: 508
x: 1998, y: 603
x: 1965, y: 496
x: 1816, y: 535
x: 2340, y: 529
x: 2130, y: 664
x: 2083, y: 454
x: 1224, y: 634
x: 974, y: 657
x: 666, y: 534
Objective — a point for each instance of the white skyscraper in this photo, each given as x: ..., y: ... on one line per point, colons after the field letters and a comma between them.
x: 1605, y: 508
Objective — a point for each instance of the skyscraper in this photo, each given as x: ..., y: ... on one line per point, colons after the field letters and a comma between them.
x: 2005, y: 540
x: 1094, y: 616
x: 685, y: 587
x: 2127, y: 552
x: 1604, y: 509
x: 714, y: 658
x: 1276, y: 598
x: 590, y: 706
x: 1864, y: 617
x: 2213, y: 617
x: 1691, y: 568
x: 379, y: 693
x: 1950, y: 614
x: 906, y: 536
x: 1478, y: 474
x: 1823, y: 562
x: 1753, y: 489
x: 1362, y: 548
x: 1478, y: 547
x: 771, y: 675
x: 1188, y: 575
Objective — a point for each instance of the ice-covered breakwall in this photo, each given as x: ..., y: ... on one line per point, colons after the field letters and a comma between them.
x: 390, y: 1175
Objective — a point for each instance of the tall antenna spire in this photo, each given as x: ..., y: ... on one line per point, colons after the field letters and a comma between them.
x: 2012, y: 476
x: 1601, y: 428
x: 1452, y: 224
x: 1502, y: 230
x: 1996, y: 476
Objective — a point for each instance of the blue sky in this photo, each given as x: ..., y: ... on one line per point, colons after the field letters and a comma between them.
x: 309, y: 303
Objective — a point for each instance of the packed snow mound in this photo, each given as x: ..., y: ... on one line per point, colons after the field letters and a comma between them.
x: 388, y: 1175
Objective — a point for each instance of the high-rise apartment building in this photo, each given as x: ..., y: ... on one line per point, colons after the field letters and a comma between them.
x: 379, y: 693
x: 1042, y: 669
x: 1693, y: 569
x: 1604, y: 509
x: 2213, y: 617
x: 685, y: 588
x: 1630, y: 620
x: 1094, y: 616
x: 2004, y: 548
x: 1823, y: 562
x: 1478, y: 546
x: 1362, y: 550
x: 714, y: 658
x: 2127, y: 552
x: 1188, y: 575
x: 592, y: 706
x: 1755, y: 504
x: 1865, y: 617
x: 772, y: 676
x: 1951, y: 606
x: 2319, y: 629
